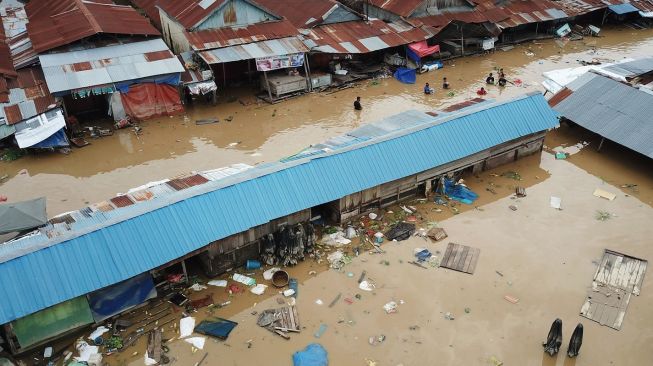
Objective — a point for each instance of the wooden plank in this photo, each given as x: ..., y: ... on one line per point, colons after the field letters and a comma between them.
x: 294, y: 309
x: 640, y: 278
x: 456, y: 258
x: 468, y: 262
x: 472, y: 265
x: 447, y: 254
x: 460, y: 258
x: 461, y: 261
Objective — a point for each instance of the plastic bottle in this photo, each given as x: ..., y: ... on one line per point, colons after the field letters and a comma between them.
x: 320, y: 331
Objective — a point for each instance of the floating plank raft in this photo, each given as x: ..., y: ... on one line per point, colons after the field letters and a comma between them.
x: 617, y: 277
x: 460, y: 258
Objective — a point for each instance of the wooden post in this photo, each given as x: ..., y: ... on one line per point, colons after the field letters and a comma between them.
x: 224, y: 77
x: 267, y: 85
x: 537, y: 26
x: 183, y: 267
x: 605, y: 15
x: 462, y: 41
x: 249, y: 70
x: 308, y: 74
x: 600, y: 144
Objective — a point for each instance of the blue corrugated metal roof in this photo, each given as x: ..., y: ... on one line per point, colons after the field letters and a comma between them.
x: 623, y: 8
x: 112, y: 246
x: 614, y: 110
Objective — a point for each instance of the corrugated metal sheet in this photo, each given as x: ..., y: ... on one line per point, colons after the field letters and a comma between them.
x: 110, y: 64
x: 360, y: 37
x: 645, y: 7
x: 150, y: 9
x: 190, y: 13
x: 14, y: 21
x: 403, y: 8
x: 581, y: 7
x: 55, y: 23
x: 632, y: 69
x: 623, y: 8
x: 27, y: 96
x: 6, y: 130
x: 532, y: 11
x: 122, y: 243
x: 275, y: 47
x: 302, y: 13
x: 233, y: 36
x: 6, y: 65
x: 611, y: 109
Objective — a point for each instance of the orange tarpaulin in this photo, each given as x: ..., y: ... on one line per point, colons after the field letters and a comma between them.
x: 149, y: 100
x: 422, y: 48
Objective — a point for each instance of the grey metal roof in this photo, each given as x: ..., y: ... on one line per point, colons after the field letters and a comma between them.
x: 273, y: 47
x: 6, y: 130
x: 633, y: 68
x: 110, y: 64
x: 611, y: 109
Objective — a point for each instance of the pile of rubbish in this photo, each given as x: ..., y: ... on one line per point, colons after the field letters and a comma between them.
x: 289, y: 245
x: 456, y: 190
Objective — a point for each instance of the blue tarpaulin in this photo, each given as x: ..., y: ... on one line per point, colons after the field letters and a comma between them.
x: 170, y: 79
x: 58, y: 139
x: 407, y: 76
x: 412, y: 55
x: 115, y: 299
x: 623, y: 9
x: 313, y: 355
x: 458, y: 192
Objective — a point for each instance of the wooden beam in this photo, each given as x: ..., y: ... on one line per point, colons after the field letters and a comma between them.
x: 267, y: 85
x: 601, y: 144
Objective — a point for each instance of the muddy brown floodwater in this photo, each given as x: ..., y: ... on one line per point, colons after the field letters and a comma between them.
x: 173, y: 146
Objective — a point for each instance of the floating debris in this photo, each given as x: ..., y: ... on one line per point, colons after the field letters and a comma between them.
x: 602, y: 215
x: 512, y: 175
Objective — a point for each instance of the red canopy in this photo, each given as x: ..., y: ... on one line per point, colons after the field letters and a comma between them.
x: 422, y: 48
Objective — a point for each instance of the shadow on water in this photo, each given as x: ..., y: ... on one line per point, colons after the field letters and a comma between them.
x: 549, y: 360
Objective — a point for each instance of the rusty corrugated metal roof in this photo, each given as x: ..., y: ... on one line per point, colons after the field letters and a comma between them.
x: 643, y: 5
x: 361, y: 37
x: 580, y: 7
x: 531, y: 11
x: 189, y: 13
x: 150, y: 9
x: 273, y: 47
x: 232, y: 36
x: 302, y: 13
x: 6, y: 65
x: 27, y: 96
x: 403, y: 8
x: 12, y: 114
x: 15, y: 27
x: 54, y: 23
x: 121, y: 201
x: 559, y: 97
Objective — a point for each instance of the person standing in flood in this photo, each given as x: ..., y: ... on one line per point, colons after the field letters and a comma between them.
x: 428, y: 89
x: 445, y: 83
x: 357, y: 104
x: 489, y: 79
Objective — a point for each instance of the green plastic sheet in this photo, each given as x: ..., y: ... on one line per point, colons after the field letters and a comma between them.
x: 52, y: 321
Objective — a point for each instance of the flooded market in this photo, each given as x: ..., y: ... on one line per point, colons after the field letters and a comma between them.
x: 475, y: 224
x: 260, y: 132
